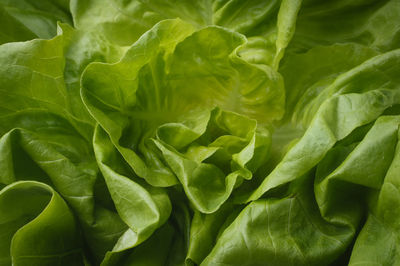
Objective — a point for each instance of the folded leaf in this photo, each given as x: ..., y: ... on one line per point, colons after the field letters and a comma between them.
x: 40, y: 219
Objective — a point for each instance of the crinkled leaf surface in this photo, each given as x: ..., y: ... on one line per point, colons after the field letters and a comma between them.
x: 211, y: 132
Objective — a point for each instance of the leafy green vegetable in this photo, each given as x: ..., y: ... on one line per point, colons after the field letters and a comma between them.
x: 212, y: 132
x: 23, y: 20
x: 43, y: 232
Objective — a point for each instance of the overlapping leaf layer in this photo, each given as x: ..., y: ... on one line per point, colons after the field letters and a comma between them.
x: 211, y: 132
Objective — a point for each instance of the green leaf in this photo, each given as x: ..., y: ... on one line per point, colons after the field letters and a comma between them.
x: 378, y: 241
x: 284, y: 231
x: 146, y: 89
x: 210, y: 132
x: 227, y: 151
x: 125, y: 21
x: 34, y: 215
x: 338, y: 116
x: 379, y: 142
x: 23, y: 20
x: 142, y: 207
x: 367, y: 22
x: 314, y: 75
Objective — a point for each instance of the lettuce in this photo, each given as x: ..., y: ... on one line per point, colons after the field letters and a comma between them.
x: 199, y: 132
